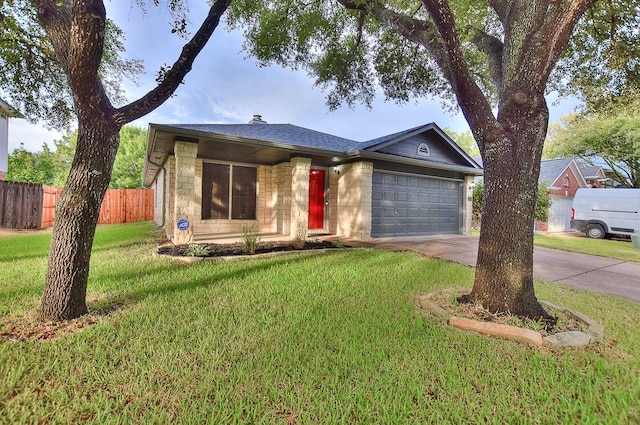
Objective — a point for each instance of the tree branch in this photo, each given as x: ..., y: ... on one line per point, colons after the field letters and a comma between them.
x: 180, y: 68
x: 561, y: 20
x: 475, y: 106
x: 493, y: 48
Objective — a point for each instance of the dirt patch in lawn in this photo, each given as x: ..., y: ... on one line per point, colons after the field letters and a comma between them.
x: 29, y: 328
x: 23, y: 232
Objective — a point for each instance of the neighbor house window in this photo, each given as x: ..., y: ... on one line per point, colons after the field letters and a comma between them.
x: 228, y: 192
x: 423, y: 149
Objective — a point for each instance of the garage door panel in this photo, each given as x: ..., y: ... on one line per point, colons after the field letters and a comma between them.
x: 388, y: 212
x: 408, y: 205
x: 389, y: 179
x: 389, y: 195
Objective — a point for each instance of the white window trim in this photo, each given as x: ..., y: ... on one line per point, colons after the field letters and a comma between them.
x: 422, y: 147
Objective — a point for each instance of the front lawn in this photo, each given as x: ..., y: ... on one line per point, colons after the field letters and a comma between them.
x: 619, y: 249
x: 313, y: 338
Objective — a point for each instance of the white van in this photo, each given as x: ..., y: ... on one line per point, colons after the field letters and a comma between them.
x: 602, y: 212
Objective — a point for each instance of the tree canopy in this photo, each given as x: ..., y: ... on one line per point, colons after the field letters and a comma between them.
x: 609, y: 138
x: 602, y: 60
x: 29, y: 167
x: 31, y: 76
x: 51, y: 167
x: 465, y: 140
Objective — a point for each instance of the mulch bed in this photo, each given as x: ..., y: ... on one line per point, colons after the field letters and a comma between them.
x: 234, y: 249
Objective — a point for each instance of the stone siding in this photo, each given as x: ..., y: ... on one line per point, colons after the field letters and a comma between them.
x: 467, y: 205
x: 332, y: 199
x: 282, y: 186
x: 300, y: 168
x: 354, y: 201
x: 187, y: 201
x: 170, y: 199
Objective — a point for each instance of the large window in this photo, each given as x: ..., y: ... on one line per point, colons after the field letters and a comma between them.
x: 228, y: 192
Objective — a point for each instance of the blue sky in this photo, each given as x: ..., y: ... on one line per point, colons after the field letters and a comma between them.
x: 227, y: 87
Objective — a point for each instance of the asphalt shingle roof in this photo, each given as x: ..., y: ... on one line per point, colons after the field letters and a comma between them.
x: 277, y: 133
x: 551, y: 169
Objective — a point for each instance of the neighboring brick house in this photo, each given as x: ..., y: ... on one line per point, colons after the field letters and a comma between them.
x: 212, y: 179
x: 6, y: 112
x: 563, y: 178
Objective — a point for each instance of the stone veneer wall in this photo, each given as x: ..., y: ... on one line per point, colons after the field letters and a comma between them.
x: 170, y: 199
x: 332, y: 198
x: 265, y: 212
x: 300, y: 168
x: 467, y: 205
x: 267, y: 198
x: 354, y: 200
x: 186, y: 205
x: 282, y: 187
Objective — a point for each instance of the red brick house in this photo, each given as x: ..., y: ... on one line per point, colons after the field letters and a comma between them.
x: 563, y: 178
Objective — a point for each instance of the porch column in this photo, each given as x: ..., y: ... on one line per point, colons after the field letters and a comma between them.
x: 354, y: 200
x: 299, y: 222
x: 467, y: 205
x: 185, y: 197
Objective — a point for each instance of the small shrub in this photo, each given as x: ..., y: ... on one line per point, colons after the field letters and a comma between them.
x: 250, y: 238
x: 197, y: 250
x: 337, y: 243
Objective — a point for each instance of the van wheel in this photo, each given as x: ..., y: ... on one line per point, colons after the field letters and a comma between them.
x: 595, y: 231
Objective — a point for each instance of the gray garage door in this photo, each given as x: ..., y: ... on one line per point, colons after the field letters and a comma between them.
x: 413, y: 206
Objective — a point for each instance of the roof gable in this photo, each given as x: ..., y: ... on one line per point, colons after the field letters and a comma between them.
x: 552, y: 171
x: 408, y: 143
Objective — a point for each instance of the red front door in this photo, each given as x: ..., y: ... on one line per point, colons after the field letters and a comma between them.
x: 316, y: 199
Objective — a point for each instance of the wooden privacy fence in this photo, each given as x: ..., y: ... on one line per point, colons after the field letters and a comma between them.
x: 20, y: 205
x: 33, y: 206
x: 50, y: 196
x: 126, y: 206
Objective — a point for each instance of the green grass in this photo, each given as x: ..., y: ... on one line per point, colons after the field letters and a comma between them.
x: 619, y: 249
x: 311, y: 338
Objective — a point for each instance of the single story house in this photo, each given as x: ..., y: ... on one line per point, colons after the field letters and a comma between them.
x: 563, y: 177
x: 213, y: 179
x: 6, y: 112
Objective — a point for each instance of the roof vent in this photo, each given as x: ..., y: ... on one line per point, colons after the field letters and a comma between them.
x: 257, y: 119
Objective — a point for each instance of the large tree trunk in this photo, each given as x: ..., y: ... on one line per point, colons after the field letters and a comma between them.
x: 76, y: 219
x: 76, y: 30
x: 504, y: 270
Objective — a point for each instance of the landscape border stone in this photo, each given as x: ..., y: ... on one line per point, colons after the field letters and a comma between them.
x: 515, y: 333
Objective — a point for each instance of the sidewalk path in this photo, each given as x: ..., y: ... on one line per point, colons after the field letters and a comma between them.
x: 592, y: 273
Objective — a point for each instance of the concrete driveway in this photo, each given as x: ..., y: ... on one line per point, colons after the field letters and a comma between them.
x: 597, y: 274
